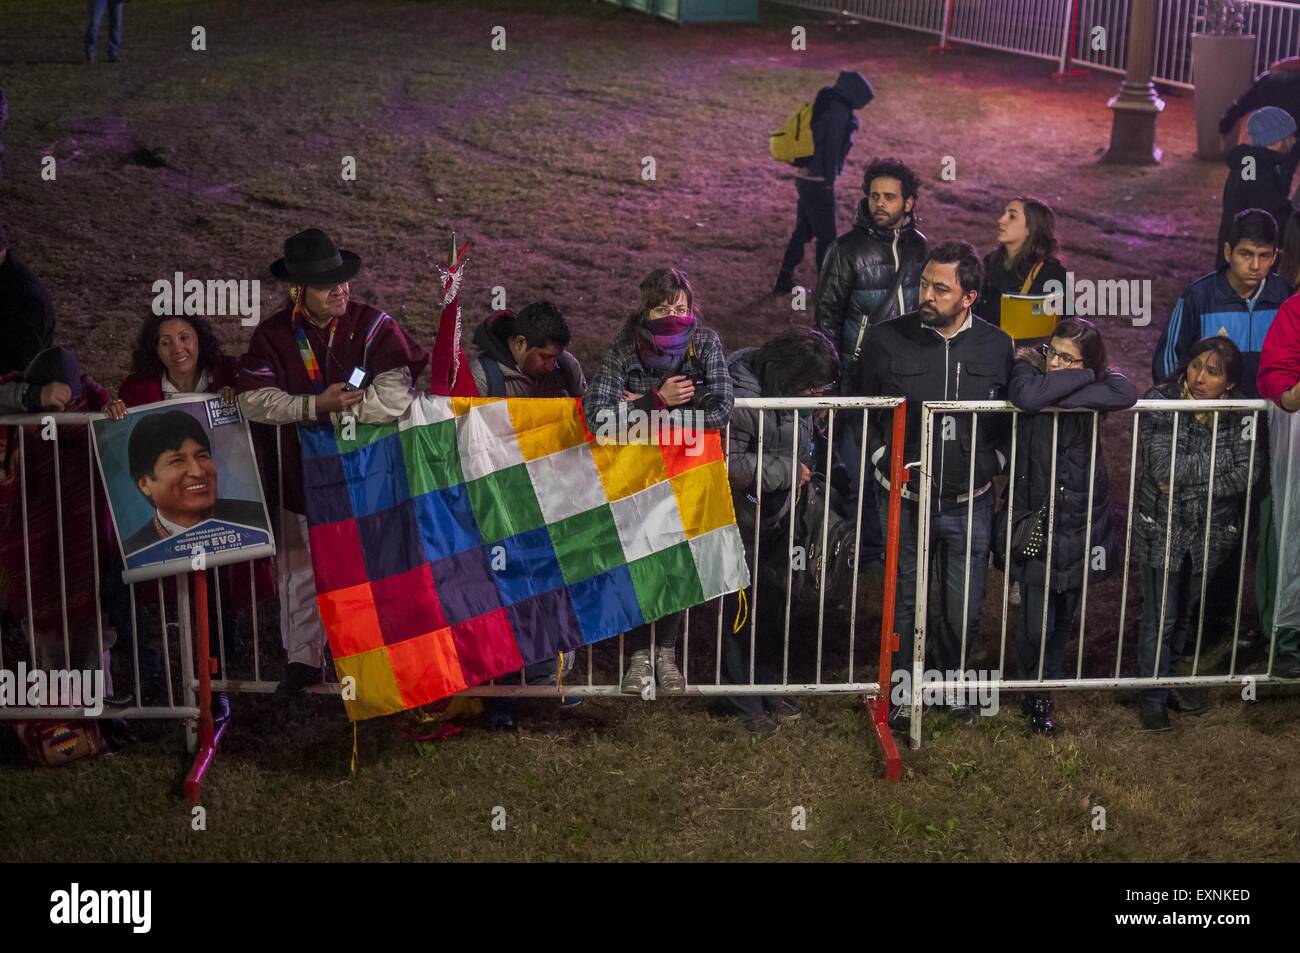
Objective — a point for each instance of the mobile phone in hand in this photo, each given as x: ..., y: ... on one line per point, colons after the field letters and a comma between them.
x: 356, y: 380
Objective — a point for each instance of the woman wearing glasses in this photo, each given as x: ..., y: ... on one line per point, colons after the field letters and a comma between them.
x: 1212, y: 372
x: 1069, y: 372
x: 662, y: 360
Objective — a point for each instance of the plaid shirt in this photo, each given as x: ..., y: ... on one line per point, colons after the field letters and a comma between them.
x: 621, y: 370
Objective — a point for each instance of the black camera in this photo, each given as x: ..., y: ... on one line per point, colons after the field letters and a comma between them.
x: 704, y: 398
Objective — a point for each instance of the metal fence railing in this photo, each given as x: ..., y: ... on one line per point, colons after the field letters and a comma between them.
x: 822, y: 650
x: 1102, y: 659
x: 1063, y: 30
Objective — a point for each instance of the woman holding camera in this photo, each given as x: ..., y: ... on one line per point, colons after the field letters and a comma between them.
x: 800, y: 362
x: 663, y: 360
x: 1070, y: 372
x: 1212, y: 372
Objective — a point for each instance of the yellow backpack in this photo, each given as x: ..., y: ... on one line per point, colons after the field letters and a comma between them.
x: 794, y: 140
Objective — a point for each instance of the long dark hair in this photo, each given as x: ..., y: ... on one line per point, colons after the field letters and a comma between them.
x: 1041, y: 245
x: 1289, y: 264
x: 794, y: 360
x: 144, y: 359
x: 660, y: 287
x: 1092, y: 348
x: 1229, y: 356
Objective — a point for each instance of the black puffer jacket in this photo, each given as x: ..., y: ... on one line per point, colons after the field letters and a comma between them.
x: 857, y: 275
x: 1032, y: 389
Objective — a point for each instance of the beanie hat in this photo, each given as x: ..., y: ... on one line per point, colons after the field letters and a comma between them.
x: 1269, y: 125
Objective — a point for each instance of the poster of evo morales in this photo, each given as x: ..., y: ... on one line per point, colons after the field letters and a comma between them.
x: 182, y: 480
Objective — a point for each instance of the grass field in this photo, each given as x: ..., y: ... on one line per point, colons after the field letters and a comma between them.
x: 203, y: 162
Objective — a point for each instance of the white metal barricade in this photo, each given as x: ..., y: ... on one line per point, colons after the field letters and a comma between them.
x: 1063, y: 30
x: 969, y: 680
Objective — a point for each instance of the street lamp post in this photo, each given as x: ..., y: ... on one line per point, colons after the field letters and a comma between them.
x: 1136, y: 106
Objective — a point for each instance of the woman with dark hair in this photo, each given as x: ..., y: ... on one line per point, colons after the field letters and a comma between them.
x: 1212, y: 372
x: 1025, y: 259
x: 800, y: 362
x: 176, y: 357
x: 1070, y: 372
x: 662, y: 360
x: 1288, y: 266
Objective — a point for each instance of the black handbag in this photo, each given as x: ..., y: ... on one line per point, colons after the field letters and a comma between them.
x: 1028, y: 533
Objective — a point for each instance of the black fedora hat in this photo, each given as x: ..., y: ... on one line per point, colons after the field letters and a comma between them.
x: 311, y: 258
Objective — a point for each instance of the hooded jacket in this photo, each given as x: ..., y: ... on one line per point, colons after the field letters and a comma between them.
x: 1279, y: 86
x: 779, y: 439
x: 565, y: 381
x: 1270, y: 189
x: 904, y: 358
x: 833, y: 124
x: 857, y: 276
x: 1032, y: 389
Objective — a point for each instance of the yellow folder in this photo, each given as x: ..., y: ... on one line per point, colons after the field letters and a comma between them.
x: 1029, y: 316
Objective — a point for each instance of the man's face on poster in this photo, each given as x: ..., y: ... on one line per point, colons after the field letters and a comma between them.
x: 183, y: 484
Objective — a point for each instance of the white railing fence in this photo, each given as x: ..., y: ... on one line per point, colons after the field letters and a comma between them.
x: 1045, y: 29
x: 1108, y: 661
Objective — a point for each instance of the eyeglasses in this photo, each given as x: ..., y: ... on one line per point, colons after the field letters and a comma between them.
x: 663, y: 310
x: 1050, y: 352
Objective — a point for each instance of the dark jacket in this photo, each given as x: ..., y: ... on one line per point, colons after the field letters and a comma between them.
x: 1000, y: 280
x: 26, y: 315
x: 857, y: 275
x: 1276, y: 87
x: 565, y: 381
x: 240, y: 512
x: 903, y: 358
x: 1208, y: 306
x: 1191, y: 481
x: 1270, y: 189
x: 1032, y: 389
x: 779, y: 437
x: 833, y: 123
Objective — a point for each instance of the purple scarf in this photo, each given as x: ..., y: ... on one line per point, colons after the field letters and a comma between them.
x: 661, y: 343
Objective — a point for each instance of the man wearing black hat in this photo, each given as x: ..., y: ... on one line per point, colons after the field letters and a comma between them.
x: 296, y: 372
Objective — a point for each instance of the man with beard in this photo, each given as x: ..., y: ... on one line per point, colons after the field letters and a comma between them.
x: 833, y: 125
x: 941, y: 351
x: 296, y: 373
x: 871, y: 274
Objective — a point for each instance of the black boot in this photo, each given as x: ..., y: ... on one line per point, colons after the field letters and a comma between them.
x: 1043, y: 719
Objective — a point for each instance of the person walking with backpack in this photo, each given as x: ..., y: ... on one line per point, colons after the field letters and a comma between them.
x: 833, y: 125
x: 1070, y: 372
x: 523, y: 355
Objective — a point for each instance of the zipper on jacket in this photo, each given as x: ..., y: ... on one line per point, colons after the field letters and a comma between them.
x: 897, y: 266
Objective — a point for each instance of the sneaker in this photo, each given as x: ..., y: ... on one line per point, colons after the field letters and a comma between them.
x: 639, y: 673
x: 499, y: 717
x: 783, y: 709
x: 1287, y: 666
x: 1043, y: 716
x: 900, y: 719
x: 759, y: 724
x: 667, y: 673
x: 1186, y: 701
x: 298, y: 677
x: 1013, y: 596
x: 570, y: 701
x: 1155, y: 718
x: 961, y: 714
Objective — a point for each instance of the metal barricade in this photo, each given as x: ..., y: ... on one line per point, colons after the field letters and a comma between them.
x: 966, y: 680
x: 1047, y: 29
